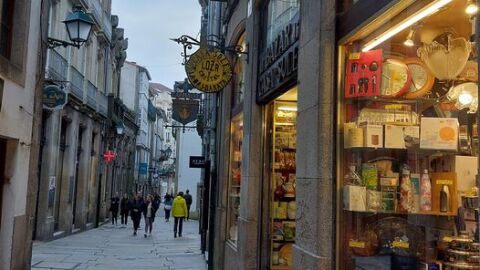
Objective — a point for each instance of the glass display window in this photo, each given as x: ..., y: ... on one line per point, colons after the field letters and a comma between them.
x: 238, y: 81
x: 235, y: 177
x: 407, y: 140
x: 283, y: 180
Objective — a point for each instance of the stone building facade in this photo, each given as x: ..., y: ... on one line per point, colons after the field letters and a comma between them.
x: 287, y: 160
x: 21, y: 60
x: 75, y: 183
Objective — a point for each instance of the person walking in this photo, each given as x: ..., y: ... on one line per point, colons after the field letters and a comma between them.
x: 136, y: 212
x: 124, y: 204
x: 167, y: 206
x: 114, y: 202
x: 150, y: 209
x: 188, y: 200
x: 179, y: 212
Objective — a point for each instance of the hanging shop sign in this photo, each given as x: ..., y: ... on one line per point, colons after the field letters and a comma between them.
x: 185, y: 110
x: 54, y: 98
x: 208, y: 71
x: 197, y: 162
x: 278, y: 63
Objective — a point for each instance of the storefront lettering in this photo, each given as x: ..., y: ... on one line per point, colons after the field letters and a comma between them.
x: 279, y: 62
x: 283, y: 70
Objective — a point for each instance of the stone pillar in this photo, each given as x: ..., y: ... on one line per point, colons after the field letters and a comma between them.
x: 315, y: 229
x: 93, y: 184
x: 252, y: 152
x: 84, y: 164
x: 45, y: 219
x: 68, y: 175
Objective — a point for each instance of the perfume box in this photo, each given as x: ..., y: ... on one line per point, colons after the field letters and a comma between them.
x: 449, y: 180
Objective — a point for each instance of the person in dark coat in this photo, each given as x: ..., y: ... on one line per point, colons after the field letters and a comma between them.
x: 124, y: 205
x: 188, y: 199
x: 167, y: 206
x: 114, y: 203
x: 136, y: 212
x: 150, y: 208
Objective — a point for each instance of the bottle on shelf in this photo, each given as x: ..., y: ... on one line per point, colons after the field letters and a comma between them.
x: 406, y: 192
x: 444, y: 199
x: 425, y: 192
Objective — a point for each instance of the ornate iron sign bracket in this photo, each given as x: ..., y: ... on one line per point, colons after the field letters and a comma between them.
x: 217, y: 42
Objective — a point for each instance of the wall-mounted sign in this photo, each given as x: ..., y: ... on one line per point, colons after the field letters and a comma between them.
x: 208, y: 71
x: 54, y: 98
x: 185, y: 110
x: 142, y: 168
x: 109, y: 156
x: 197, y: 162
x: 279, y: 62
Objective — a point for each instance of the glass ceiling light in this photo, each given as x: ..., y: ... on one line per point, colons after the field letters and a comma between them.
x: 409, y: 40
x: 471, y: 8
x: 427, y: 11
x: 465, y: 98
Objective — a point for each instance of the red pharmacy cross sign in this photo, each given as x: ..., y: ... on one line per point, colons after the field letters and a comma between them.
x: 109, y: 156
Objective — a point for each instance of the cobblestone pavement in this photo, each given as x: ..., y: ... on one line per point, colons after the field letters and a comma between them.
x: 114, y: 247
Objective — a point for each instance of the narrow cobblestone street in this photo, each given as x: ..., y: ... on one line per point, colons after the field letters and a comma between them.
x: 114, y: 247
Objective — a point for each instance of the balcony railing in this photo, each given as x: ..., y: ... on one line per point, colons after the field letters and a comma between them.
x: 96, y: 9
x: 77, y: 83
x: 102, y: 104
x: 57, y: 67
x: 91, y: 95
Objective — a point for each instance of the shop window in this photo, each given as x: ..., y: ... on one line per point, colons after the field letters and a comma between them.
x: 236, y: 139
x: 238, y: 82
x: 1, y: 93
x: 6, y: 27
x: 3, y: 153
x: 282, y: 175
x: 408, y: 141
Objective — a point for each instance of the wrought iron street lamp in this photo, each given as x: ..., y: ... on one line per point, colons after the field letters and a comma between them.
x: 79, y: 27
x: 120, y: 128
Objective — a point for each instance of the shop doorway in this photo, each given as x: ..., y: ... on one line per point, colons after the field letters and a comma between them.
x: 279, y: 202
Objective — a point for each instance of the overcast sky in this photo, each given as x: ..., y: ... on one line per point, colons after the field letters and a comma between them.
x: 149, y: 25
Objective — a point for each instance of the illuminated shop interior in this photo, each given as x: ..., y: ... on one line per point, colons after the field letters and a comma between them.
x: 407, y: 140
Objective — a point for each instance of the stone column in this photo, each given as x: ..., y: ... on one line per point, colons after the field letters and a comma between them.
x: 315, y: 229
x: 252, y: 152
x: 50, y: 154
x: 83, y: 175
x: 68, y: 175
x: 94, y: 179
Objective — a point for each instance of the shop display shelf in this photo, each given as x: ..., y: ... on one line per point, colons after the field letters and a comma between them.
x: 292, y: 170
x: 285, y: 199
x: 392, y: 100
x: 412, y: 150
x: 284, y: 219
x: 280, y: 267
x: 432, y: 213
x: 287, y: 149
x: 284, y: 241
x: 235, y: 195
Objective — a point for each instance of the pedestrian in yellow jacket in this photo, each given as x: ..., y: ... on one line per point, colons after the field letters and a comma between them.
x: 179, y: 212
